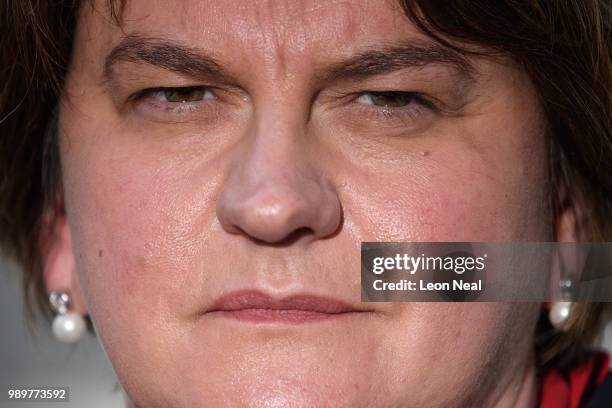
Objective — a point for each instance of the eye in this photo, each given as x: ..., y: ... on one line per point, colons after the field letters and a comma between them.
x: 183, y: 95
x: 400, y: 108
x: 174, y: 96
x: 173, y: 100
x: 389, y: 99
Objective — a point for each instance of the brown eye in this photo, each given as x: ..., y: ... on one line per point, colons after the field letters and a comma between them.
x: 388, y: 99
x: 183, y: 95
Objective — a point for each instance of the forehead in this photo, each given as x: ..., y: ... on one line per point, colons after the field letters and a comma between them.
x: 278, y: 29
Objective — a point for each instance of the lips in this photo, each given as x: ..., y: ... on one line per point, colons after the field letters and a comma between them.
x: 255, y: 306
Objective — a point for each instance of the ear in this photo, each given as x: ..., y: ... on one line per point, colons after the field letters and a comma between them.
x: 570, y: 215
x: 572, y: 258
x: 59, y: 272
x: 566, y: 228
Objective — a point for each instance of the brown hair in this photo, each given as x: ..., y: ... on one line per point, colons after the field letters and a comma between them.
x: 562, y: 45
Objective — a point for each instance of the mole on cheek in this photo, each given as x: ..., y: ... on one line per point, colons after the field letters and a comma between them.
x: 100, y: 254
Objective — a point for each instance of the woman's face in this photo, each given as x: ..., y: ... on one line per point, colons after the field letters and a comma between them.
x: 301, y: 129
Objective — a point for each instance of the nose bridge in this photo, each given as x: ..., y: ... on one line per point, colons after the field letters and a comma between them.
x: 274, y: 152
x: 273, y: 189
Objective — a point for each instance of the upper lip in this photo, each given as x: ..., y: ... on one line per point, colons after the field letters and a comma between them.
x: 253, y: 299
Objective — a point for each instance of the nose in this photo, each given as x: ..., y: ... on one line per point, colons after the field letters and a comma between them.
x: 274, y: 193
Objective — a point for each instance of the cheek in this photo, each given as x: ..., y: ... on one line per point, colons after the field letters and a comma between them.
x: 141, y: 236
x: 454, y: 194
x: 140, y: 228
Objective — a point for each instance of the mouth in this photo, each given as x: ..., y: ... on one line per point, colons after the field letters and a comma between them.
x: 257, y: 307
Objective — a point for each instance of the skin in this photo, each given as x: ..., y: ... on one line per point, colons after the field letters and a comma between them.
x: 271, y: 182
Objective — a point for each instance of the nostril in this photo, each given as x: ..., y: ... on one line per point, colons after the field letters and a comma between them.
x: 276, y: 240
x: 290, y: 239
x: 296, y: 235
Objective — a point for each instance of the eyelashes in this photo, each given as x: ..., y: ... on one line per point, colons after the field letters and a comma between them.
x: 390, y: 99
x: 173, y: 99
x: 396, y: 104
x: 174, y: 94
x: 184, y: 95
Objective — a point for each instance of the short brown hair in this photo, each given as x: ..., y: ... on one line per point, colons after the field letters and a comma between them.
x: 562, y: 45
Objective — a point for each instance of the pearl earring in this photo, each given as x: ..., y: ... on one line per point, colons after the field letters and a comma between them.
x: 559, y: 313
x: 68, y: 326
x: 560, y: 310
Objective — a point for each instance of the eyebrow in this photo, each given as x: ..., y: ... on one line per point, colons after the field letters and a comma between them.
x: 397, y: 57
x: 194, y: 63
x: 164, y: 54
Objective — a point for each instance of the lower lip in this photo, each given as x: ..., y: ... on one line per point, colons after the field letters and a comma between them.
x: 291, y: 316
